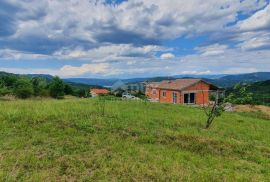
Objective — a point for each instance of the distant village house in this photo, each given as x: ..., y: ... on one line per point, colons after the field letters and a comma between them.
x: 97, y: 91
x: 180, y: 91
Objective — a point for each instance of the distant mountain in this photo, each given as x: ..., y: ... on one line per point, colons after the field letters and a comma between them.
x: 219, y: 80
x: 92, y: 81
x: 230, y: 80
x: 200, y: 76
x: 49, y: 77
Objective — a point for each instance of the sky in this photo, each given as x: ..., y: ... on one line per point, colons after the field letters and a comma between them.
x: 134, y: 38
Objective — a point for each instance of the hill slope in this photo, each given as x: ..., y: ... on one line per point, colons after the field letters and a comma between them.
x: 70, y: 140
x: 220, y: 80
x: 261, y: 92
x: 231, y: 80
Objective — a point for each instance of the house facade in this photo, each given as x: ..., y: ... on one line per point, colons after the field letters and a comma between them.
x: 97, y: 91
x: 180, y: 91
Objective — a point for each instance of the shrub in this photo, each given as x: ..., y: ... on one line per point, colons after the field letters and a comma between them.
x: 56, y: 88
x: 23, y: 88
x: 240, y: 95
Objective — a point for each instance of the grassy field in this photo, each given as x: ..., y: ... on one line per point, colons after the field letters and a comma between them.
x: 71, y: 140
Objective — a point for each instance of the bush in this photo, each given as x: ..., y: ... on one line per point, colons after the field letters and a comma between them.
x: 4, y: 91
x: 39, y: 85
x: 240, y: 95
x: 56, y: 88
x: 68, y: 90
x: 23, y: 88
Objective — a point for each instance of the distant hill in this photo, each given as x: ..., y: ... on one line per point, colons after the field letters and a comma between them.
x: 261, y: 91
x: 230, y: 80
x: 221, y: 80
x: 92, y: 81
x: 50, y: 77
x: 110, y: 82
x: 45, y: 76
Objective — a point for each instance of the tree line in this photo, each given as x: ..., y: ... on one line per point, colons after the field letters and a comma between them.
x: 25, y: 87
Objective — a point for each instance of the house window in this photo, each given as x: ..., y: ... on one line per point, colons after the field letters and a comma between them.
x: 189, y: 98
x: 154, y: 91
x: 164, y: 93
x: 174, y: 97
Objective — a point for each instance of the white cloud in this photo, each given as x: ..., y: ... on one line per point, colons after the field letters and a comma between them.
x: 58, y: 24
x: 20, y: 55
x: 197, y: 73
x: 212, y: 50
x: 239, y: 70
x: 260, y: 20
x: 111, y: 51
x: 254, y: 40
x: 126, y: 38
x: 167, y: 56
x: 101, y: 68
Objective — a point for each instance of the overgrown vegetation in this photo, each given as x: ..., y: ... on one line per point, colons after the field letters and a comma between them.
x: 257, y: 93
x: 240, y: 95
x: 69, y: 140
x: 25, y: 87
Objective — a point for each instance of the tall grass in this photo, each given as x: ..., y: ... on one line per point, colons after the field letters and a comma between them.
x: 70, y: 140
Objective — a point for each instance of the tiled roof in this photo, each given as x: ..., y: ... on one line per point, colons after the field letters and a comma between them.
x: 178, y: 84
x: 100, y: 91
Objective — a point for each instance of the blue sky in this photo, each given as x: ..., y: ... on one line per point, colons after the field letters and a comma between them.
x: 134, y: 38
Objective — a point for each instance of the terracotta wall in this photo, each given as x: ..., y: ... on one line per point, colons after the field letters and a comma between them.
x: 169, y: 96
x: 149, y: 92
x: 202, y: 92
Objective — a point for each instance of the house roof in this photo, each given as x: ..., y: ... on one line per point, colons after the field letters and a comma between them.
x: 178, y: 84
x: 100, y: 91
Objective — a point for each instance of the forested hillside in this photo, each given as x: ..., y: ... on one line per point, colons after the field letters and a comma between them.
x: 258, y: 91
x: 25, y: 86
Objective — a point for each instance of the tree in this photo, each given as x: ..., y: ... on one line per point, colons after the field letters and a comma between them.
x: 9, y: 80
x: 23, y: 88
x: 39, y: 86
x: 83, y: 93
x: 240, y: 95
x: 3, y: 89
x: 68, y: 90
x: 56, y: 88
x: 215, y: 110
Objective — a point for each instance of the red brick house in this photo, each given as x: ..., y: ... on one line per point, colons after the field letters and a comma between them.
x: 180, y: 91
x: 97, y: 91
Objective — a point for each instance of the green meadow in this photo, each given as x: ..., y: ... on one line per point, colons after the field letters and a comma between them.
x: 90, y: 140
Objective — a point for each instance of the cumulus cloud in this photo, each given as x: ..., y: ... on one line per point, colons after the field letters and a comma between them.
x: 231, y: 61
x: 212, y: 50
x: 167, y: 56
x: 260, y: 20
x: 101, y: 68
x: 130, y: 37
x: 255, y: 41
x: 46, y: 26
